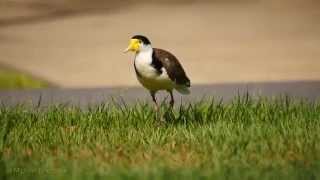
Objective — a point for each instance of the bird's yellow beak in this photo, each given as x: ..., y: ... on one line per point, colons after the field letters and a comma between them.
x: 134, y: 46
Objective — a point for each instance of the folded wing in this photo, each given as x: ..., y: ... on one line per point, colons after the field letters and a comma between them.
x: 171, y: 64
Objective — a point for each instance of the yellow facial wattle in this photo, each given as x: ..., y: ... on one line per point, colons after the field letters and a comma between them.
x: 134, y: 45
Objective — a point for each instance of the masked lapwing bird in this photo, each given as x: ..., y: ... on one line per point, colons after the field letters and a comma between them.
x: 157, y: 69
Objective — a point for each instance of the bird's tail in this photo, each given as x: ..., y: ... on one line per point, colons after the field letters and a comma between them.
x: 183, y: 89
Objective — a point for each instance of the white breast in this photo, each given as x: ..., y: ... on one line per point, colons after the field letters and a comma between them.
x: 150, y: 77
x: 143, y: 62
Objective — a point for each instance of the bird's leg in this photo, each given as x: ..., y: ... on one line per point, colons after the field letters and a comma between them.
x: 172, y: 99
x: 158, y: 110
x: 153, y: 95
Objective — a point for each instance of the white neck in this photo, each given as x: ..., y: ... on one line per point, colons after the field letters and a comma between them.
x: 145, y: 54
x: 145, y: 48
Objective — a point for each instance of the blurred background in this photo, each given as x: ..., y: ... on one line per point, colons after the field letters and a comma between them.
x: 79, y: 43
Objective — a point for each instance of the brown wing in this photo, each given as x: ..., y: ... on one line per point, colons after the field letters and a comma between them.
x: 172, y: 66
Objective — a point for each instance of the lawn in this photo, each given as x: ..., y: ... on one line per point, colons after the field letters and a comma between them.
x: 244, y: 139
x: 10, y: 79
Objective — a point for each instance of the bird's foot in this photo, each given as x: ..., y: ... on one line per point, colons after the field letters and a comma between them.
x: 156, y: 108
x: 160, y: 121
x: 171, y: 104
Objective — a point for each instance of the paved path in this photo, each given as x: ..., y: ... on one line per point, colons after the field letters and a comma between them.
x: 86, y: 97
x: 255, y: 41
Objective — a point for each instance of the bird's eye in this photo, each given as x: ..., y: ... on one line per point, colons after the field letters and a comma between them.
x: 140, y: 41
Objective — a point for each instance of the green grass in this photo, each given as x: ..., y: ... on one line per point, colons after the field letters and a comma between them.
x: 245, y: 139
x: 15, y: 80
